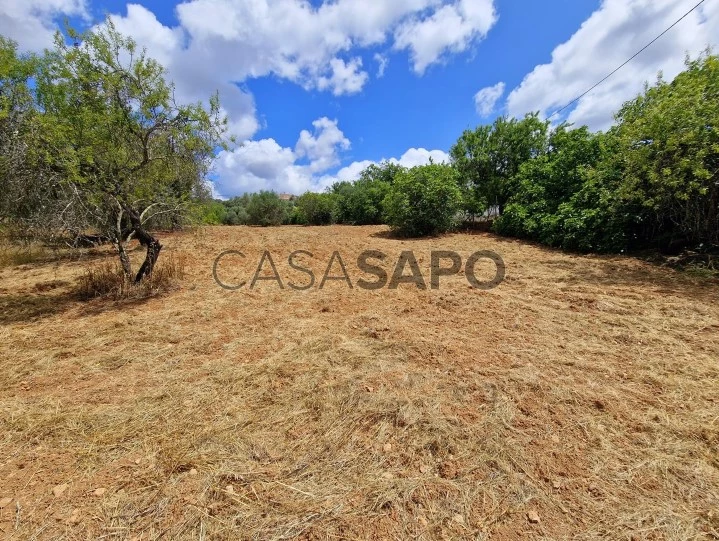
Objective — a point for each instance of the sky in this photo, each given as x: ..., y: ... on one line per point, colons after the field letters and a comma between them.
x: 315, y: 91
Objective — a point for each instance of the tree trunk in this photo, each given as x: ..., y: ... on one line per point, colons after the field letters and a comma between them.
x: 124, y: 259
x: 146, y: 239
x: 153, y: 252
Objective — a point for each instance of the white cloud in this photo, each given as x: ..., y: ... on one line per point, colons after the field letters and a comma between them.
x: 321, y: 148
x: 353, y: 170
x: 31, y: 23
x: 382, y: 63
x: 486, y: 99
x: 265, y: 165
x: 411, y: 158
x: 346, y: 78
x: 451, y: 28
x: 420, y: 156
x: 218, y: 44
x: 611, y: 35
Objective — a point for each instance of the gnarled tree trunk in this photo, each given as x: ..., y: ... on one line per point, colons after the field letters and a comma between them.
x: 153, y: 252
x: 146, y: 239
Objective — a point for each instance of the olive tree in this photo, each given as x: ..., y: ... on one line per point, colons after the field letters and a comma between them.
x: 124, y: 151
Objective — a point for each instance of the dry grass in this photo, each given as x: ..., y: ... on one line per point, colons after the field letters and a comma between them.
x: 582, y: 388
x: 106, y: 279
x: 13, y: 254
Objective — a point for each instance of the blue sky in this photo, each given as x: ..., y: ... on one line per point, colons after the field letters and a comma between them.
x: 318, y: 91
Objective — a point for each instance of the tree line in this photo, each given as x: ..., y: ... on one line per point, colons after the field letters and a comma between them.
x: 650, y: 182
x: 92, y: 139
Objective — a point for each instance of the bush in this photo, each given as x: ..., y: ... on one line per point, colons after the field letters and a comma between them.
x: 236, y: 216
x: 423, y: 201
x: 315, y: 208
x: 266, y: 208
x: 361, y: 203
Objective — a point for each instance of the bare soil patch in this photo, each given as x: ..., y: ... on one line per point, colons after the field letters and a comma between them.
x: 579, y: 399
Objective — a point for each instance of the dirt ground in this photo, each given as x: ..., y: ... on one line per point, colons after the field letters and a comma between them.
x: 577, y: 400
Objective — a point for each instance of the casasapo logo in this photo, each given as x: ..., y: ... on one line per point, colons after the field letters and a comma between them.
x: 373, y: 265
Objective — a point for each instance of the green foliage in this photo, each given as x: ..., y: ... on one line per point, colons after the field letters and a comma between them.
x: 266, y: 208
x: 669, y: 139
x: 489, y: 157
x: 423, y: 201
x: 316, y: 208
x: 212, y: 212
x: 545, y: 205
x: 383, y: 172
x: 360, y: 202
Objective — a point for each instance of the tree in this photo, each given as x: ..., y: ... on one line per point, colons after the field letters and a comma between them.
x: 316, y: 208
x: 669, y: 139
x: 360, y: 202
x: 23, y: 185
x: 489, y: 157
x: 124, y: 151
x: 423, y: 200
x: 555, y: 202
x: 266, y: 208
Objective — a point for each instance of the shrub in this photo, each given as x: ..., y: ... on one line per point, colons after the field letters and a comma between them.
x: 266, y: 208
x: 315, y: 208
x: 361, y: 203
x: 423, y: 201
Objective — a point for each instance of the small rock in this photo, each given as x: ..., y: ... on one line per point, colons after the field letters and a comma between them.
x: 59, y: 490
x: 369, y: 388
x: 388, y: 475
x: 557, y: 484
x: 423, y: 521
x: 424, y: 468
x: 99, y: 491
x: 193, y: 471
x: 5, y: 502
x: 75, y: 516
x: 533, y: 517
x: 459, y: 519
x: 230, y: 489
x: 138, y: 460
x: 387, y: 447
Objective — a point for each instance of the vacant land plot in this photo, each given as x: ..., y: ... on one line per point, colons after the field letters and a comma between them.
x: 579, y: 399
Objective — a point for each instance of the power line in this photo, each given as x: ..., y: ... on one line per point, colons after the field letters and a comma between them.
x: 640, y: 51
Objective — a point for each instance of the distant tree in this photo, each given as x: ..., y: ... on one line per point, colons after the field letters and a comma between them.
x: 316, y: 208
x: 423, y: 201
x: 489, y: 157
x: 266, y: 208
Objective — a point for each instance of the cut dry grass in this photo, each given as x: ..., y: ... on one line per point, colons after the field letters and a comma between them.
x: 107, y: 279
x: 582, y: 388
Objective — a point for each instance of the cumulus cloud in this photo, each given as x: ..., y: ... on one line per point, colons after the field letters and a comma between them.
x: 451, y: 28
x: 486, y: 99
x: 411, y: 158
x: 265, y: 165
x: 31, y: 23
x: 612, y: 34
x: 220, y: 43
x: 346, y: 78
x: 321, y: 148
